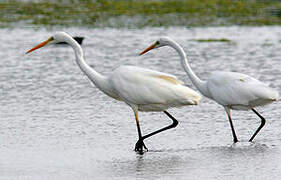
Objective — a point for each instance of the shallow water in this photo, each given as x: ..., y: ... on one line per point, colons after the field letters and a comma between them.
x: 56, y: 125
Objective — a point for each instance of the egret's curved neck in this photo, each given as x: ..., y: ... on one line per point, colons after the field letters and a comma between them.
x: 200, y: 85
x: 98, y: 79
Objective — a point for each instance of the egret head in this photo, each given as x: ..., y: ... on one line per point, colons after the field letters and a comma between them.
x: 163, y: 41
x: 56, y: 38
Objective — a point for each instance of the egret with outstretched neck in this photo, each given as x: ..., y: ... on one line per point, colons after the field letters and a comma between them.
x: 142, y: 89
x: 232, y: 90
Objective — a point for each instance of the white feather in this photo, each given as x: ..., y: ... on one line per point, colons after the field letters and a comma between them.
x: 149, y: 90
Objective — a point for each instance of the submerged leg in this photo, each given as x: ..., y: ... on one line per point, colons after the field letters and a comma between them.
x: 260, y: 127
x: 235, y: 140
x: 140, y: 144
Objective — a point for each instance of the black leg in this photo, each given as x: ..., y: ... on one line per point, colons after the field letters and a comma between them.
x: 174, y: 124
x: 235, y: 139
x: 140, y: 144
x: 260, y: 127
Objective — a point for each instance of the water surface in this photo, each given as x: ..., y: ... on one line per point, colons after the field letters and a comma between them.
x: 56, y: 125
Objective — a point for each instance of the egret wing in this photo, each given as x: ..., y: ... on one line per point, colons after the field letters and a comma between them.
x: 230, y: 88
x: 143, y: 86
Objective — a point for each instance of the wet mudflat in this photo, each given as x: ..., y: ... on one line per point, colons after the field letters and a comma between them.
x: 54, y: 124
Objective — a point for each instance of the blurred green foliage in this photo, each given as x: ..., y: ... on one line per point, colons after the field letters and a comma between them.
x: 139, y: 13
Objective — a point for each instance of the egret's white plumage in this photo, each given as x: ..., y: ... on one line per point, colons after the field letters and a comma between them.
x: 239, y: 91
x: 151, y: 90
x: 230, y: 89
x: 142, y: 89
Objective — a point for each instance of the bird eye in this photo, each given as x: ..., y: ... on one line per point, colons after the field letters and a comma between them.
x: 157, y: 42
x: 51, y: 38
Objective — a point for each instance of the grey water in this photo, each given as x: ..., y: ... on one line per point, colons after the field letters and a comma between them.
x: 54, y: 124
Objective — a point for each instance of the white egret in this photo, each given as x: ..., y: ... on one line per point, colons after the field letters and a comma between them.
x: 141, y: 89
x: 230, y: 89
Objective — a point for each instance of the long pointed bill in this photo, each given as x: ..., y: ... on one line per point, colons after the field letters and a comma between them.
x: 148, y: 49
x: 40, y: 45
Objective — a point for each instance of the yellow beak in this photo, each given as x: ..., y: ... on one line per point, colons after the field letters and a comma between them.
x: 39, y: 45
x: 148, y: 49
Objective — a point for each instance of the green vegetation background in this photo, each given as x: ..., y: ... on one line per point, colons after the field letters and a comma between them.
x: 140, y: 13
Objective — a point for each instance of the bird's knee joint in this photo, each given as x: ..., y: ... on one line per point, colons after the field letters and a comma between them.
x: 263, y: 121
x: 175, y: 123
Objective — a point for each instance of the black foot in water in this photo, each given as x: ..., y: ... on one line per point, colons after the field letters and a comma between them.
x: 140, y: 146
x: 235, y: 140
